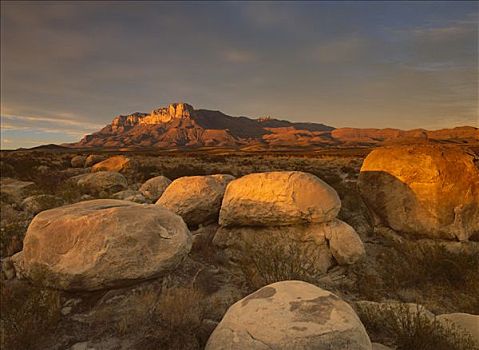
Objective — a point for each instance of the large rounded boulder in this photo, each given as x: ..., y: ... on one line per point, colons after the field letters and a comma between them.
x: 153, y: 188
x: 101, y: 182
x: 290, y: 315
x: 278, y: 198
x: 197, y: 199
x: 120, y: 164
x: 428, y: 190
x: 102, y: 244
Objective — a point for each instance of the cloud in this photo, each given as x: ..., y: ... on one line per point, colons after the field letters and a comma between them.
x: 352, y: 48
x: 52, y: 124
x: 239, y: 56
x: 71, y: 67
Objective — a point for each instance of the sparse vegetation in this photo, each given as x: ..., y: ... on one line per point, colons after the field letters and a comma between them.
x: 412, y: 329
x: 29, y: 315
x: 167, y: 319
x: 274, y: 259
x: 439, y: 275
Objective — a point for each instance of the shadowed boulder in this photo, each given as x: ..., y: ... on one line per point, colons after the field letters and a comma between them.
x: 102, y: 181
x: 153, y: 188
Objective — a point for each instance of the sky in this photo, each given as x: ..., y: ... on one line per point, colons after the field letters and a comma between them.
x: 68, y: 68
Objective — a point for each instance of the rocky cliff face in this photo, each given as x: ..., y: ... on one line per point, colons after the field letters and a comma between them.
x: 179, y: 125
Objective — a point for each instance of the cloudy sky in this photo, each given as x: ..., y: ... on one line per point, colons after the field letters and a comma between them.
x: 68, y: 68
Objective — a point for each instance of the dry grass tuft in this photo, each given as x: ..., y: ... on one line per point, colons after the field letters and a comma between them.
x: 436, y: 273
x: 274, y: 259
x: 29, y: 315
x: 412, y: 329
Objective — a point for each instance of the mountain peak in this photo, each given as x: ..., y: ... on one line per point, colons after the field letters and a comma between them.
x: 177, y: 110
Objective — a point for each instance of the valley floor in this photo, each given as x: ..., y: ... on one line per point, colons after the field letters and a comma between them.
x: 181, y: 310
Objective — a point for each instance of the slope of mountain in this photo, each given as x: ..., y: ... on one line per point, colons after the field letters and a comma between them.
x: 179, y: 125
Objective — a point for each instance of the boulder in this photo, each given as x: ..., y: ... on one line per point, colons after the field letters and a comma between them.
x: 102, y: 244
x: 153, y: 188
x: 14, y: 191
x: 37, y: 203
x: 290, y: 315
x: 103, y: 181
x: 317, y: 244
x: 465, y: 322
x: 344, y: 243
x: 119, y: 164
x: 129, y: 195
x: 275, y: 245
x: 78, y: 161
x: 197, y: 199
x: 428, y: 190
x: 278, y: 198
x: 92, y: 159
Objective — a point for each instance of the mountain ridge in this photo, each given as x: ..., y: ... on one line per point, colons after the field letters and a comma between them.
x: 179, y: 125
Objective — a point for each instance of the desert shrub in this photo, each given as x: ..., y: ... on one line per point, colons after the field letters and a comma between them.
x: 69, y: 192
x: 412, y: 329
x: 28, y: 315
x: 274, y: 259
x: 443, y: 274
x: 167, y: 319
x: 18, y: 167
x: 11, y: 238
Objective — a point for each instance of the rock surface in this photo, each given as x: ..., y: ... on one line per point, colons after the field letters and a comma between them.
x: 427, y: 190
x: 301, y: 241
x: 37, y: 203
x: 14, y: 191
x: 129, y: 195
x: 197, y: 199
x: 316, y: 243
x: 153, y: 188
x: 101, y: 244
x: 102, y: 181
x: 92, y: 159
x: 278, y: 198
x: 466, y: 322
x: 344, y: 243
x: 290, y: 315
x: 116, y: 163
x: 78, y: 161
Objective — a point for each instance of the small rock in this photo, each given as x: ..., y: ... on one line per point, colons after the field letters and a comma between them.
x: 92, y: 159
x: 78, y: 161
x: 66, y: 310
x: 37, y: 203
x: 153, y: 188
x: 119, y: 164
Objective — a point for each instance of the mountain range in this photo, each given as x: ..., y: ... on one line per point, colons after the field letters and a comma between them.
x: 179, y: 125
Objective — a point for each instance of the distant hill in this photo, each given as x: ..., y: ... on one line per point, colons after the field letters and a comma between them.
x: 179, y: 125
